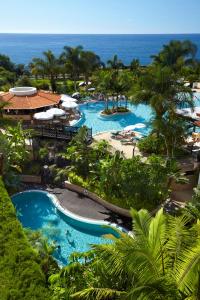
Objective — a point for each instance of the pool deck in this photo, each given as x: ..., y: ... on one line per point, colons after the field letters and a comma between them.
x: 84, y: 206
x: 116, y: 145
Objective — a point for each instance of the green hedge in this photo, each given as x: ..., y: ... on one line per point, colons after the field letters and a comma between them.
x: 21, y: 277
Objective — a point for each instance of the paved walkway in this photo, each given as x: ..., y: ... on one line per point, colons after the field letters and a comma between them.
x: 84, y: 206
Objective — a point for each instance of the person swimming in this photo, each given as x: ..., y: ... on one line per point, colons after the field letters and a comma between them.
x: 59, y: 249
x: 68, y: 233
x: 72, y: 243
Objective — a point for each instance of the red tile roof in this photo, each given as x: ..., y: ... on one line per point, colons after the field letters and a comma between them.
x: 38, y: 100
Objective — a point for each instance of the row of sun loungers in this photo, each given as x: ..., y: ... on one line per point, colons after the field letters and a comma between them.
x: 126, y: 137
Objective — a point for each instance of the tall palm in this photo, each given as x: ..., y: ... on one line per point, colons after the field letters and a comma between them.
x: 176, y: 54
x: 121, y: 84
x: 115, y: 63
x: 71, y: 58
x: 162, y: 89
x: 160, y: 260
x: 103, y: 81
x: 47, y: 66
x: 135, y: 66
x: 89, y: 63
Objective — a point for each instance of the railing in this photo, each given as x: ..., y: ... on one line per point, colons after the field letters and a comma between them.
x: 57, y: 131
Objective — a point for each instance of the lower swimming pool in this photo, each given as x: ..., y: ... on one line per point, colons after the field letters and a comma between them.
x: 36, y: 210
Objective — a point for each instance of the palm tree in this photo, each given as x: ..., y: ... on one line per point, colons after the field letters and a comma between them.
x: 121, y: 84
x: 89, y: 63
x: 71, y: 58
x: 160, y: 260
x: 161, y: 88
x: 115, y: 63
x: 47, y: 66
x: 176, y: 54
x: 103, y: 81
x: 135, y: 66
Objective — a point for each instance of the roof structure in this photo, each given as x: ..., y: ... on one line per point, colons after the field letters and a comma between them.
x: 29, y: 102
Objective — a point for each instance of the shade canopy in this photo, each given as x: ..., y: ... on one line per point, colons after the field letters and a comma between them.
x: 69, y: 105
x: 67, y: 98
x: 82, y: 83
x: 132, y: 127
x: 57, y: 112
x: 43, y: 116
x: 76, y: 94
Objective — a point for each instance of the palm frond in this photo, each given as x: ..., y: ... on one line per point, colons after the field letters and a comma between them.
x: 99, y: 294
x: 187, y: 271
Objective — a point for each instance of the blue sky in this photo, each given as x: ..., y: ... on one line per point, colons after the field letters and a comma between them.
x: 100, y: 16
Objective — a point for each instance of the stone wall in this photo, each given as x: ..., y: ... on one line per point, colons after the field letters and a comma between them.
x: 30, y: 179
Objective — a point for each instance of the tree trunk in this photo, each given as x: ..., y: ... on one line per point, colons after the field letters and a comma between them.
x: 1, y: 163
x: 106, y: 103
x: 117, y: 101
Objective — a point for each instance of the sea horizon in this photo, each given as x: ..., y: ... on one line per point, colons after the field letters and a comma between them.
x: 179, y: 33
x: 22, y: 47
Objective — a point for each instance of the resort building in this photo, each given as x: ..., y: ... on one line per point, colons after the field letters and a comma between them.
x: 21, y: 103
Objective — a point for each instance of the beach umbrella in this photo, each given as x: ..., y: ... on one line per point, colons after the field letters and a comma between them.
x: 57, y: 112
x: 69, y: 99
x: 76, y: 94
x: 91, y: 89
x: 132, y: 127
x: 43, y: 116
x: 65, y: 97
x: 81, y: 83
x: 69, y: 105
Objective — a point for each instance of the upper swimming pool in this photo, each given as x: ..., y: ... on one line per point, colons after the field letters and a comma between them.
x: 91, y: 117
x: 36, y: 210
x: 138, y: 114
x: 197, y: 99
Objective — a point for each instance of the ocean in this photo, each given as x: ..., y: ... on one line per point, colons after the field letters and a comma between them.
x: 23, y: 47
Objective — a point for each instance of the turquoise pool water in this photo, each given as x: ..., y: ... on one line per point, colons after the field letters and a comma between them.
x: 138, y: 114
x: 197, y: 99
x: 36, y: 211
x: 91, y: 117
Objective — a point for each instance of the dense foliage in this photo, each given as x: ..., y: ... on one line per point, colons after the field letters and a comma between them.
x: 21, y: 276
x: 161, y: 88
x: 125, y: 182
x: 160, y: 261
x: 15, y: 153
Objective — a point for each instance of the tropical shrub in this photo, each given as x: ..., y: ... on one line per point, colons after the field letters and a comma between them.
x: 24, y: 81
x: 33, y: 169
x: 41, y: 84
x: 152, y: 144
x: 74, y: 178
x: 192, y: 208
x: 124, y: 182
x: 120, y: 109
x: 15, y: 153
x: 21, y: 276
